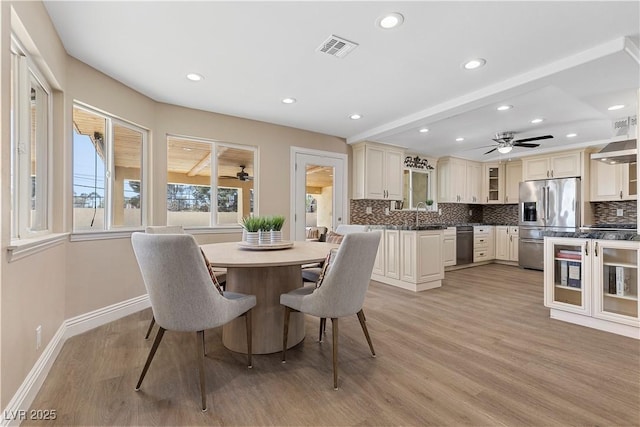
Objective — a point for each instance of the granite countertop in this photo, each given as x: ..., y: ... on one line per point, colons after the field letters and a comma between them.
x: 408, y: 227
x: 595, y: 234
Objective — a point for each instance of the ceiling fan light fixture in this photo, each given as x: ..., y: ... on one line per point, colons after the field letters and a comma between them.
x: 474, y: 64
x: 504, y: 148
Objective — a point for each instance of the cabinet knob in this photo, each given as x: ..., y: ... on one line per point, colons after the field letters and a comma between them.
x: 551, y: 174
x: 547, y: 174
x: 621, y: 194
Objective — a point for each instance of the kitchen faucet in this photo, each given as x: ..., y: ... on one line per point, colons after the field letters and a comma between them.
x: 418, y: 211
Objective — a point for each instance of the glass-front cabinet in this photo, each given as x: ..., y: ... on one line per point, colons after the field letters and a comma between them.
x: 567, y: 280
x: 615, y: 273
x: 593, y: 282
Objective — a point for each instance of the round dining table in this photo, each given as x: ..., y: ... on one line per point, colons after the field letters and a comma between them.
x: 265, y: 273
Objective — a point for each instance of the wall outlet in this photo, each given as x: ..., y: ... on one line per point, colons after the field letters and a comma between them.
x: 439, y: 211
x: 369, y: 210
x: 470, y: 212
x: 619, y: 212
x: 392, y: 205
x: 38, y: 337
x: 386, y: 211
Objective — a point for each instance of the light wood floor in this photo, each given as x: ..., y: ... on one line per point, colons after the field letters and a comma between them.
x: 479, y: 351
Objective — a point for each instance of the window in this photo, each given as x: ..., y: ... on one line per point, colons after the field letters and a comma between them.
x: 107, y: 172
x: 191, y: 175
x: 30, y: 141
x: 417, y: 187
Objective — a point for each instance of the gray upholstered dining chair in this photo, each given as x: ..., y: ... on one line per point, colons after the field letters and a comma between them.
x: 311, y: 273
x: 341, y: 292
x: 220, y: 273
x: 181, y: 294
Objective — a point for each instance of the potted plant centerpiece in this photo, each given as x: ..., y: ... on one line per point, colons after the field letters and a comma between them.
x: 277, y: 222
x: 251, y: 226
x: 264, y: 229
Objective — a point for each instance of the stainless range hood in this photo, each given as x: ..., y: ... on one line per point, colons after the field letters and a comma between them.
x: 618, y: 152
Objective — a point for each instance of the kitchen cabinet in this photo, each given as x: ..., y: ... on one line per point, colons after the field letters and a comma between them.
x: 613, y: 182
x: 473, y: 187
x: 459, y: 181
x: 483, y: 243
x: 493, y: 183
x: 377, y: 171
x: 513, y: 177
x: 563, y: 165
x: 452, y: 180
x: 411, y: 259
x: 593, y: 283
x: 449, y: 247
x: 507, y: 243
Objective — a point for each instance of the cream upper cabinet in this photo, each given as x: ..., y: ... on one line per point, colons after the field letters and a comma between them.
x: 562, y: 165
x: 613, y: 182
x: 452, y: 180
x: 377, y: 172
x: 513, y: 177
x: 473, y: 187
x: 492, y: 183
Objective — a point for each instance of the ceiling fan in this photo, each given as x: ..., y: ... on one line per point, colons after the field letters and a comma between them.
x: 242, y: 175
x: 506, y: 143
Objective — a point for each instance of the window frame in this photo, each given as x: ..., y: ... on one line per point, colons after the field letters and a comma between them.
x: 111, y: 121
x: 213, y: 182
x: 25, y: 75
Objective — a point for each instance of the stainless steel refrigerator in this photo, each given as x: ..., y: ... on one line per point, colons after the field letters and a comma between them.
x: 552, y: 204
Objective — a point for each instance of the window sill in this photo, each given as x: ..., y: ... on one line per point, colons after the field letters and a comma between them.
x: 126, y: 234
x: 22, y: 248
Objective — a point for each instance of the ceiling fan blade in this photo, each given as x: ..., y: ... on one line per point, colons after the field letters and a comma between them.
x: 491, y: 151
x: 535, y: 138
x: 524, y: 144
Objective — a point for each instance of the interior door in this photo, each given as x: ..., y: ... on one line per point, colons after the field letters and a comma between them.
x: 319, y: 190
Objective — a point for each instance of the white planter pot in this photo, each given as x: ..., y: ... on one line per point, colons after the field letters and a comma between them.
x: 252, y: 237
x: 276, y: 236
x: 265, y: 237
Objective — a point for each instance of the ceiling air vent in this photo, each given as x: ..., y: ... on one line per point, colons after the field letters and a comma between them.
x: 337, y: 46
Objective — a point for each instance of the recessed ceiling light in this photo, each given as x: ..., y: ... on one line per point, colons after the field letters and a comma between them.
x: 474, y: 63
x: 194, y: 77
x: 390, y: 20
x: 536, y: 121
x: 423, y: 130
x: 504, y: 107
x: 572, y: 135
x: 288, y: 100
x: 616, y: 107
x: 355, y: 117
x: 460, y: 139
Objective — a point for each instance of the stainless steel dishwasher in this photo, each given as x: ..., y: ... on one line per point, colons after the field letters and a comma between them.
x: 464, y: 244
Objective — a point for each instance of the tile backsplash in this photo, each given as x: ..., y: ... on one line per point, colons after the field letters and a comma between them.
x: 456, y: 213
x: 606, y: 212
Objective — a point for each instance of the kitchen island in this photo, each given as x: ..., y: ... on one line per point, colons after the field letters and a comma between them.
x: 410, y: 257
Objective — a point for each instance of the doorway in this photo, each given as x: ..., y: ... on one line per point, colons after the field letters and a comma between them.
x: 319, y: 189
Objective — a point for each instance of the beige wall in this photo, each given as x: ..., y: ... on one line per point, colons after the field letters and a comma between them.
x: 33, y: 288
x: 77, y: 277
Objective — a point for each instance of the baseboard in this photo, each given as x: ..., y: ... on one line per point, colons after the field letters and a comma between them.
x: 102, y: 316
x: 18, y: 408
